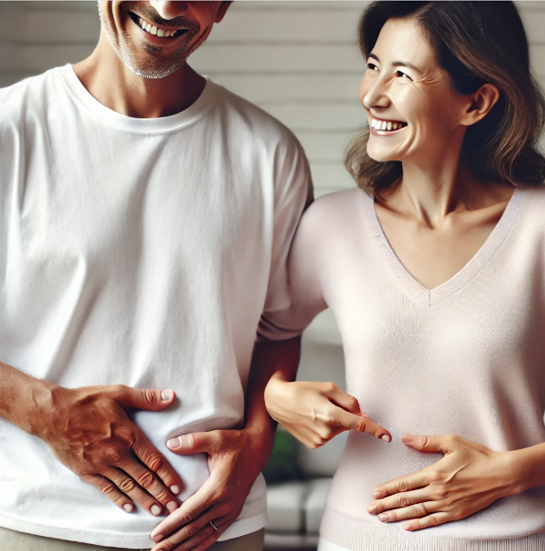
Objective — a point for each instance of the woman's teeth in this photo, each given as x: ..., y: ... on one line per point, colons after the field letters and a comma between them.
x: 386, y: 125
x: 152, y: 29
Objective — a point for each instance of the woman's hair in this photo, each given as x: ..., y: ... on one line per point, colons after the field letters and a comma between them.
x: 476, y: 43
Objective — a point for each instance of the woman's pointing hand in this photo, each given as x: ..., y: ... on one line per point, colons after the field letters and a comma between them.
x: 316, y: 412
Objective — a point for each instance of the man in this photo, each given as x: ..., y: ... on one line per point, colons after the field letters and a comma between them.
x: 145, y: 219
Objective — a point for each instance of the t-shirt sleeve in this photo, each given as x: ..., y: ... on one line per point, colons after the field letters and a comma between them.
x: 305, y: 272
x: 292, y: 195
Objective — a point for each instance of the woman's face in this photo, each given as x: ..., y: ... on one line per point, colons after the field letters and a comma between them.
x: 413, y: 111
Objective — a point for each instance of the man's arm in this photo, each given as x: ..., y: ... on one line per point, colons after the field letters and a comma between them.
x: 88, y: 431
x: 236, y: 457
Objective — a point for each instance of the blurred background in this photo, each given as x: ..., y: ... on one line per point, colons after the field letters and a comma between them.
x: 300, y: 62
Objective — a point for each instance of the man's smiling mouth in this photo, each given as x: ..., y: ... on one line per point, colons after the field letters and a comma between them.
x: 150, y: 28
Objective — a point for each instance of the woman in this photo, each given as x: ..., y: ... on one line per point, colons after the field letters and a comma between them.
x: 436, y: 277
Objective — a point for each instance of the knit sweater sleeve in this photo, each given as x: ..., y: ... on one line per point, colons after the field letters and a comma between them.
x: 305, y: 275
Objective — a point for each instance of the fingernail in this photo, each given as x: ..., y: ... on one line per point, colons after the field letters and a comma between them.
x: 386, y: 438
x: 372, y: 509
x: 408, y: 526
x: 407, y: 438
x: 175, y: 489
x: 155, y: 509
x: 166, y: 395
x: 384, y: 517
x: 174, y: 443
x: 128, y: 507
x: 172, y: 506
x: 157, y: 537
x: 376, y: 494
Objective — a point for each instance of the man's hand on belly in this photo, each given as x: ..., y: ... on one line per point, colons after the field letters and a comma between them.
x: 235, y: 460
x: 89, y: 432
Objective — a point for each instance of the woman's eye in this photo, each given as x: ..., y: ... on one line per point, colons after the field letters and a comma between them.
x: 372, y: 66
x: 403, y: 75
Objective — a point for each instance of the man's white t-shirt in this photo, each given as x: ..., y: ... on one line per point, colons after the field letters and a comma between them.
x: 141, y: 252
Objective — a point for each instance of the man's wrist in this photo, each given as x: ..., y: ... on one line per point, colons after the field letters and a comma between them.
x: 258, y: 438
x: 40, y: 407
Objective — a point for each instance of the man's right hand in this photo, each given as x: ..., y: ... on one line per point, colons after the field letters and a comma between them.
x: 89, y: 432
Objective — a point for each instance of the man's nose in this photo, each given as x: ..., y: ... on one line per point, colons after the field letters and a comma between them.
x: 169, y: 10
x: 377, y: 95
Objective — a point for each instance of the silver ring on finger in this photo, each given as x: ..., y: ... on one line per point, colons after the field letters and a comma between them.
x: 213, y: 526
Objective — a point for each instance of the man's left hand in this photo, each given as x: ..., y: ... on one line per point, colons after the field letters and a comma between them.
x: 233, y: 467
x: 467, y: 479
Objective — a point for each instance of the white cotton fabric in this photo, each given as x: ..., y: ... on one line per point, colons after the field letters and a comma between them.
x: 465, y: 358
x: 142, y: 252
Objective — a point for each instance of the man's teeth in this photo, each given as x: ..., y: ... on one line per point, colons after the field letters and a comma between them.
x: 386, y: 125
x: 152, y: 29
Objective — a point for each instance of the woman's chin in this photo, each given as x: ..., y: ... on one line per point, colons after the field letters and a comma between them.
x: 380, y: 155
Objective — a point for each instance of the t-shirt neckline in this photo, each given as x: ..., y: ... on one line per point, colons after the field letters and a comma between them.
x: 136, y: 125
x: 414, y: 289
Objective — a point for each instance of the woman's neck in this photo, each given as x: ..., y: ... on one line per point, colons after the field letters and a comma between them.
x: 431, y: 193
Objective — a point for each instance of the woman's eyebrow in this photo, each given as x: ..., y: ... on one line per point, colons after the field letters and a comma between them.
x: 398, y: 63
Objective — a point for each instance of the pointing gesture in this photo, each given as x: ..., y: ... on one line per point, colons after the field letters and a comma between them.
x: 316, y: 412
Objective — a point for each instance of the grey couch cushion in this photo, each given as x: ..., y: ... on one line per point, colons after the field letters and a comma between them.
x: 315, y: 503
x: 285, y: 504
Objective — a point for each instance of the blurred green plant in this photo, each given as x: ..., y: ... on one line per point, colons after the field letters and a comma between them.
x: 283, y: 463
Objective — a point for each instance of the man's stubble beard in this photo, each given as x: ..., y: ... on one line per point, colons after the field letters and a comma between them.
x: 152, y: 67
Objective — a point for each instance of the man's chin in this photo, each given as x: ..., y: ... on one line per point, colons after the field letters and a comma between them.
x: 153, y: 69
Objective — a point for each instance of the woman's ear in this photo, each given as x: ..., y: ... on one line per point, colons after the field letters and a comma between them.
x: 481, y: 103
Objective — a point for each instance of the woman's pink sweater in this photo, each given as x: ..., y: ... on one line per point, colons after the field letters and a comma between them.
x: 465, y: 358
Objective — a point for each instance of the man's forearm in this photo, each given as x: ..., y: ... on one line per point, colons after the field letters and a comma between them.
x: 20, y: 395
x: 269, y: 358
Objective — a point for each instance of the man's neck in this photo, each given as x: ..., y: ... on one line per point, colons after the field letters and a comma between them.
x: 111, y: 83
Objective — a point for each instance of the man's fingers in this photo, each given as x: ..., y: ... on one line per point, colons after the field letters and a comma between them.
x: 198, y: 442
x: 148, y: 481
x: 110, y: 490
x: 156, y: 463
x: 144, y: 398
x: 363, y: 424
x: 131, y: 488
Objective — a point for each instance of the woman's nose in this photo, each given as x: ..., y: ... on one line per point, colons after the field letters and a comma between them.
x: 376, y: 96
x: 169, y: 10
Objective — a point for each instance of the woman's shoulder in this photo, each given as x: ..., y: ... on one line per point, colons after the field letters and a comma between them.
x: 534, y: 192
x: 533, y: 198
x: 337, y: 205
x: 530, y: 204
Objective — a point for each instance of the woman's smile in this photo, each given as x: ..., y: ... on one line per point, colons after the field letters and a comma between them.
x: 381, y: 127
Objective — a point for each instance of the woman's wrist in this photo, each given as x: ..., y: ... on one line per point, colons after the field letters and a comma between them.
x: 273, y: 393
x: 526, y: 468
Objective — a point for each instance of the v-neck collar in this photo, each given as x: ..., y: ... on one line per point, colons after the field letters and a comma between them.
x: 416, y: 291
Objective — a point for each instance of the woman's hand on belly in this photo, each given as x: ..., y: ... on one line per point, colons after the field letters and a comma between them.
x: 467, y: 479
x: 316, y: 412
